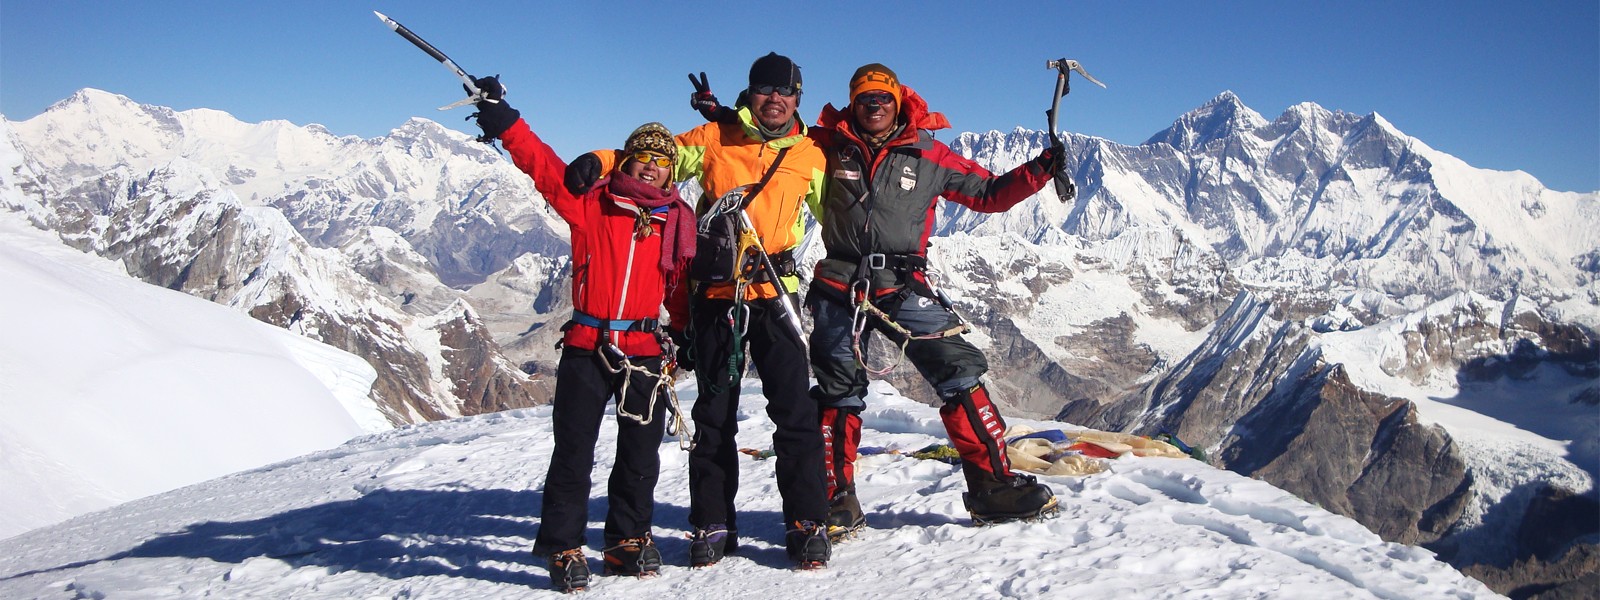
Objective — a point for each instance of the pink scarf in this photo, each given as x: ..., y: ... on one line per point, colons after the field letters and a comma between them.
x: 678, y: 236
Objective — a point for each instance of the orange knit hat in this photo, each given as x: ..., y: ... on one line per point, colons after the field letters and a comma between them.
x: 874, y: 78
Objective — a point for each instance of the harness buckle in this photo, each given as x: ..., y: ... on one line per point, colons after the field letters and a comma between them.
x: 877, y: 260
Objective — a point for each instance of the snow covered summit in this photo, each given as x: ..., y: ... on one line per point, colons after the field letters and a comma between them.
x: 448, y: 510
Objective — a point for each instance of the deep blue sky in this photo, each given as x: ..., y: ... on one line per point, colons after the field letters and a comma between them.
x: 1502, y: 85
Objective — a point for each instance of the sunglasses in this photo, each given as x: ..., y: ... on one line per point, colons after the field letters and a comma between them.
x: 647, y: 157
x: 782, y: 90
x: 875, y: 99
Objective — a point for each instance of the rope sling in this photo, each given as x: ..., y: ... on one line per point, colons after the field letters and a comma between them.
x: 861, y: 292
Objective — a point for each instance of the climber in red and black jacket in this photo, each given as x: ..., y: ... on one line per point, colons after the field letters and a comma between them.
x: 632, y: 239
x: 885, y: 176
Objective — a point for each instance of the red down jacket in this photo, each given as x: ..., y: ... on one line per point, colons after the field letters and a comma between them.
x: 614, y: 275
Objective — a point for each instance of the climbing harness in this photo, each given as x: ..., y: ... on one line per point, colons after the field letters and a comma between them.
x: 861, y: 296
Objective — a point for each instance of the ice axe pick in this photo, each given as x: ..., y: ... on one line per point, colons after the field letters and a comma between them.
x: 1064, y: 68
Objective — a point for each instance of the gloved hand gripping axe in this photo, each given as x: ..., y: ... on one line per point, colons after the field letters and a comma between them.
x: 1063, y: 68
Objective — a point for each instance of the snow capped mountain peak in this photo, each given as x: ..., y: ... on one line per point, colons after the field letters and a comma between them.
x: 1218, y: 118
x: 91, y: 98
x: 427, y: 139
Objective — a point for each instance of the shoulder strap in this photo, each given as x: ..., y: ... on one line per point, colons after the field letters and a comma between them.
x: 756, y: 189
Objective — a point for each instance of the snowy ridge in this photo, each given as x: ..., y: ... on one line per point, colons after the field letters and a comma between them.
x: 447, y: 510
x: 1339, y: 199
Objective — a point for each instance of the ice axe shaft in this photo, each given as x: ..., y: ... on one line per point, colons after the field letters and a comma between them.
x: 1065, y: 190
x: 1064, y: 67
x: 473, y: 93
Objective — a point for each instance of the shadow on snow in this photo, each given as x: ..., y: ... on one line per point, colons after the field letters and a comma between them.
x: 476, y: 534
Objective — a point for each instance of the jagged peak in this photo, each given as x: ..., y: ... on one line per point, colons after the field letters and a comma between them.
x: 1219, y: 117
x: 1226, y: 98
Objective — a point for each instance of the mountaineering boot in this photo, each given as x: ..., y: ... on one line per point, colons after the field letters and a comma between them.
x: 633, y: 556
x: 996, y: 499
x: 710, y: 544
x: 841, y: 440
x: 844, y: 515
x: 807, y: 544
x: 569, y: 570
x: 994, y: 493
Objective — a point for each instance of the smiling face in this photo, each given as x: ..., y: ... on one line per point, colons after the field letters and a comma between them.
x: 874, y: 112
x: 773, y: 110
x: 650, y: 170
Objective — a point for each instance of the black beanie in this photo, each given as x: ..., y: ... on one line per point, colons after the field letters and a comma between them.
x: 775, y: 69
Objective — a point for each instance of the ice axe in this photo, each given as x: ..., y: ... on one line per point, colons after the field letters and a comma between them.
x: 474, y: 94
x: 1064, y: 68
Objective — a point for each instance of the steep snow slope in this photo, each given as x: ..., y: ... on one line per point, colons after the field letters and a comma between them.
x: 113, y: 389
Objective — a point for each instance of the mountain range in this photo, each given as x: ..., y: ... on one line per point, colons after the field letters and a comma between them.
x: 1319, y: 301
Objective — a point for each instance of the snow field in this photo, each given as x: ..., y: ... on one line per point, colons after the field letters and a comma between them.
x: 449, y: 510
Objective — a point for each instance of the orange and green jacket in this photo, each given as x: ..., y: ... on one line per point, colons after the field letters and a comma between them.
x: 724, y: 156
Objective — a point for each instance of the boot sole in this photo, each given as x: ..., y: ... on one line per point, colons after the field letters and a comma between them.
x: 811, y: 565
x: 1050, y: 509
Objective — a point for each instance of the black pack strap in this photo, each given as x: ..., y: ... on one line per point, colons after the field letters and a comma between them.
x: 783, y: 262
x: 900, y: 263
x: 765, y: 177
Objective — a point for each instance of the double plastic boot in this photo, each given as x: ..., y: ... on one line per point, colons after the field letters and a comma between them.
x: 1011, y: 497
x: 709, y: 544
x: 633, y: 556
x: 844, y: 515
x: 807, y: 544
x: 569, y: 570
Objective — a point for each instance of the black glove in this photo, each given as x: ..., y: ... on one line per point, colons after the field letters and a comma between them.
x: 704, y: 101
x: 1054, y: 158
x: 685, y: 346
x: 581, y: 174
x: 494, y: 115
